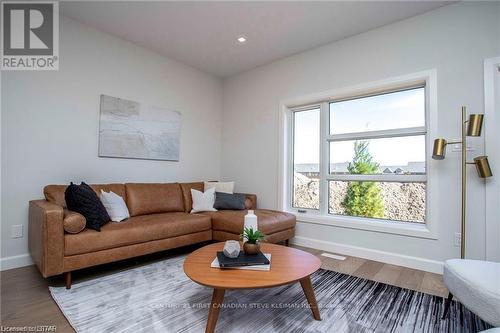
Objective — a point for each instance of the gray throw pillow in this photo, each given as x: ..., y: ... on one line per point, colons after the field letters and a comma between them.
x: 226, y: 201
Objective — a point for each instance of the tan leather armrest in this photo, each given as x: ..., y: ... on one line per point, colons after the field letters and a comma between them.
x: 253, y: 199
x: 46, y: 236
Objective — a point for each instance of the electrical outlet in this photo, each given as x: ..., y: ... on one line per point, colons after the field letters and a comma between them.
x: 16, y: 231
x: 458, y: 239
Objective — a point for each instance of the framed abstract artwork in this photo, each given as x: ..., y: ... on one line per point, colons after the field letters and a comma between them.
x: 129, y: 129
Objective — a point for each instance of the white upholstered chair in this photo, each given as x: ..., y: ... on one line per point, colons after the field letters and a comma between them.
x: 475, y: 284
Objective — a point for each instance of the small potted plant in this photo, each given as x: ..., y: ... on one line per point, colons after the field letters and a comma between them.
x: 251, y: 240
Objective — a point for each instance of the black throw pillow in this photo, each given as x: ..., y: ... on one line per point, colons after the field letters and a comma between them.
x: 225, y: 201
x: 82, y: 199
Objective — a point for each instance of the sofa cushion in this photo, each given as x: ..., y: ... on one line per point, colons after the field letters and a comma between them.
x: 115, y: 206
x: 269, y: 221
x: 153, y: 198
x: 73, y: 222
x: 83, y: 199
x: 203, y: 201
x: 224, y: 187
x: 225, y: 201
x: 186, y: 193
x: 135, y: 230
x: 55, y: 193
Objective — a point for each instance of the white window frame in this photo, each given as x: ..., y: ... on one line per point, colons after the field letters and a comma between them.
x: 426, y: 79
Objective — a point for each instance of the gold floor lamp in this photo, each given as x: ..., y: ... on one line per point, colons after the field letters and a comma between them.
x: 471, y: 127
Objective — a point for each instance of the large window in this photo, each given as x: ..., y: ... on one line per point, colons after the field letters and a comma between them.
x: 363, y: 157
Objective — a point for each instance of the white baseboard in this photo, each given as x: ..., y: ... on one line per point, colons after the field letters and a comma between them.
x: 427, y: 265
x: 15, y: 262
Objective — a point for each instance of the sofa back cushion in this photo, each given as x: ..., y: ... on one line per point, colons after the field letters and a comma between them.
x: 186, y: 193
x: 55, y: 193
x: 150, y: 198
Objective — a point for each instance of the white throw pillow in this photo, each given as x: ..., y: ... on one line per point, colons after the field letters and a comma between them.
x: 224, y: 187
x: 115, y: 206
x: 203, y: 202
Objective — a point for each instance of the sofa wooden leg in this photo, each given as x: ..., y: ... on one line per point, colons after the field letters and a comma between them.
x: 447, y: 305
x: 287, y: 242
x: 67, y: 279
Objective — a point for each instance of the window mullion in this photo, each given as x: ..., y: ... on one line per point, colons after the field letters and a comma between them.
x: 290, y: 167
x: 392, y: 133
x: 324, y: 157
x: 418, y: 178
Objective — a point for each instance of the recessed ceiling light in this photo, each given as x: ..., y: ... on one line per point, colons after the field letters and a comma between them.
x: 242, y: 39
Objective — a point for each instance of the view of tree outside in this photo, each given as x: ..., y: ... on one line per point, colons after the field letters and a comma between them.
x: 403, y: 202
x: 363, y: 198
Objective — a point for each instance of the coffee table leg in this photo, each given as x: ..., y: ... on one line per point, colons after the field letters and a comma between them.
x: 215, y: 305
x: 311, y: 298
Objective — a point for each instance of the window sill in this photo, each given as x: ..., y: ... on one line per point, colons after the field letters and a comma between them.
x: 390, y: 227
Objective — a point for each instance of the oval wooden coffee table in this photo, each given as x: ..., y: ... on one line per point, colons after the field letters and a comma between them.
x: 288, y: 265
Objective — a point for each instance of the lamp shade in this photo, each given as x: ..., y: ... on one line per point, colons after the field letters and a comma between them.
x: 475, y: 125
x: 439, y: 150
x: 483, y: 167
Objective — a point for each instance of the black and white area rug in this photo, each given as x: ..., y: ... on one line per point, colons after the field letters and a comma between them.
x: 160, y: 298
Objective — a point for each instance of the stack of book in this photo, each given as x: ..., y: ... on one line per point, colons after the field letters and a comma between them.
x: 260, y: 261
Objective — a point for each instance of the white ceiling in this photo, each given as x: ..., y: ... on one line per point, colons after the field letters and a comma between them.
x: 203, y: 34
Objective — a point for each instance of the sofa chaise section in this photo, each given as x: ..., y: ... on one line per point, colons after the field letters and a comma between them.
x: 277, y: 226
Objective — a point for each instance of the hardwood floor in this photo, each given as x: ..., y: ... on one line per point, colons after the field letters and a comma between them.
x: 26, y: 301
x: 403, y: 277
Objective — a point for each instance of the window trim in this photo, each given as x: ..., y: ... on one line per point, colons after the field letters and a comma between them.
x: 321, y: 216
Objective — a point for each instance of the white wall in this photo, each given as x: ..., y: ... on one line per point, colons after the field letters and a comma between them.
x: 50, y: 122
x: 454, y: 40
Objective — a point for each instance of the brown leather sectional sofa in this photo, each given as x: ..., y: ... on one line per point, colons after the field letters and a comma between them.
x: 160, y: 220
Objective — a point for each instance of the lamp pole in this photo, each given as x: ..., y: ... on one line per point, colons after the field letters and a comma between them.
x: 470, y: 127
